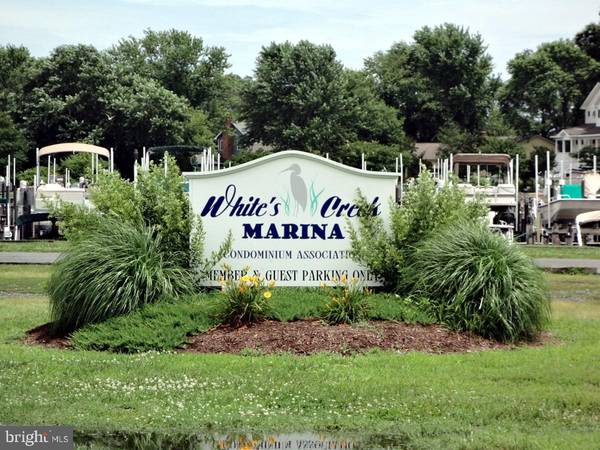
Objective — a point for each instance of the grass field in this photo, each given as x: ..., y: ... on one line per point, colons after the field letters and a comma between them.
x: 530, y: 397
x: 33, y: 246
x: 561, y: 251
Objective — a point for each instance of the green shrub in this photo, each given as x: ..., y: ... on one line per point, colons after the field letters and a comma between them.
x: 114, y: 269
x: 156, y: 201
x: 161, y: 326
x: 290, y: 304
x: 393, y: 307
x: 245, y: 300
x: 477, y: 281
x: 426, y: 209
x: 347, y: 302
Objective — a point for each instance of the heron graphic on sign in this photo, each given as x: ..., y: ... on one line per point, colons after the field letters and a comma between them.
x: 298, y: 186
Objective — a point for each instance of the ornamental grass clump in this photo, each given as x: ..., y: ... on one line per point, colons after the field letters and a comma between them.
x: 112, y: 270
x: 347, y: 302
x: 245, y: 300
x: 477, y: 281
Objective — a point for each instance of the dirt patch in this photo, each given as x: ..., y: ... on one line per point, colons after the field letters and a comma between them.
x: 41, y: 336
x: 310, y: 336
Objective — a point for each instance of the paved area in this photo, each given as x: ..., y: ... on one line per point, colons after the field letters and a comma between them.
x: 28, y: 257
x: 560, y: 263
x: 50, y: 257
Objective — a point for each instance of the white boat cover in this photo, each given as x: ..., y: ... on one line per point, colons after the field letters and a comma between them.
x: 591, y: 185
x: 586, y: 217
x: 74, y: 147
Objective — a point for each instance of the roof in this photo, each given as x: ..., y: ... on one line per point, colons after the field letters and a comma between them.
x: 592, y: 98
x: 290, y: 154
x: 75, y: 147
x: 581, y: 130
x: 535, y: 136
x: 240, y: 127
x: 481, y: 158
x: 427, y: 150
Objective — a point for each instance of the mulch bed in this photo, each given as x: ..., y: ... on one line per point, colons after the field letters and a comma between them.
x: 310, y: 336
x: 41, y: 336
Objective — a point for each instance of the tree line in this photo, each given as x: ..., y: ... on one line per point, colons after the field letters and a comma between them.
x: 170, y: 88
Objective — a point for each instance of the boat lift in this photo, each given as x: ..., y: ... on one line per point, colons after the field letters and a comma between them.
x: 24, y: 206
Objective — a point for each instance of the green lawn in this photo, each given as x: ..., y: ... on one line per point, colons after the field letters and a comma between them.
x: 561, y: 251
x: 21, y: 279
x: 33, y: 246
x: 540, y: 397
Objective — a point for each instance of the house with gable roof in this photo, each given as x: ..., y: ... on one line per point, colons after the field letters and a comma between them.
x: 570, y: 140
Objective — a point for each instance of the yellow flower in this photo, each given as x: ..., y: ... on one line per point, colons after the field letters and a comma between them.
x: 267, y: 295
x: 271, y: 284
x: 344, y: 279
x: 245, y: 278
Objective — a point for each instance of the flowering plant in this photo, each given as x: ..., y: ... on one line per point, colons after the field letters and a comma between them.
x: 245, y: 300
x: 347, y: 302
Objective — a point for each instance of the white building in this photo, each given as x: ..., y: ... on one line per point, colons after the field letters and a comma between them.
x: 570, y: 140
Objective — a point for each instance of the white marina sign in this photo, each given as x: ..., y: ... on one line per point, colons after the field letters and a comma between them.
x: 288, y: 213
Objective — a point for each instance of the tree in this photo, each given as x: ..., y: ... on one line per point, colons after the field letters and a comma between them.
x: 12, y: 141
x: 378, y: 156
x: 179, y: 61
x: 298, y: 99
x: 444, y: 76
x: 141, y: 113
x: 454, y: 139
x: 588, y: 40
x: 547, y: 87
x: 17, y: 66
x: 64, y: 100
x: 586, y: 157
x: 372, y: 119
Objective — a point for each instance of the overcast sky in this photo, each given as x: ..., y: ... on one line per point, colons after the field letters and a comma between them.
x: 355, y: 28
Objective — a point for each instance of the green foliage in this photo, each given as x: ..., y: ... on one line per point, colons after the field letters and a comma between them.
x: 586, y: 157
x: 298, y: 98
x: 244, y: 157
x: 163, y: 204
x: 74, y: 221
x: 113, y: 270
x: 443, y: 76
x: 165, y: 325
x: 245, y: 300
x: 17, y: 66
x: 12, y: 142
x: 179, y: 61
x: 198, y: 129
x: 64, y: 99
x: 79, y: 165
x: 547, y: 87
x: 588, y: 40
x: 160, y: 327
x: 378, y: 156
x: 393, y: 307
x: 426, y: 209
x: 142, y: 112
x: 347, y: 303
x: 454, y: 139
x: 477, y: 281
x: 156, y: 201
x: 506, y: 146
